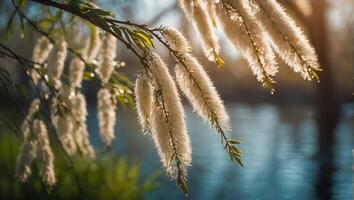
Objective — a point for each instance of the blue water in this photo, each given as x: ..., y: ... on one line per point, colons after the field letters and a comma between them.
x: 280, y: 145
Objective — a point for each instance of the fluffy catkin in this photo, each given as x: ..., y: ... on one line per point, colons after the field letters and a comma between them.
x: 79, y: 110
x: 210, y: 6
x: 144, y: 100
x: 25, y: 127
x: 92, y: 47
x: 40, y: 54
x: 45, y: 157
x: 76, y: 71
x: 249, y: 39
x: 28, y: 149
x: 176, y: 40
x: 24, y: 160
x: 64, y: 125
x: 197, y: 13
x: 56, y: 64
x: 286, y: 37
x: 201, y: 93
x: 106, y: 115
x: 168, y: 126
x: 107, y: 56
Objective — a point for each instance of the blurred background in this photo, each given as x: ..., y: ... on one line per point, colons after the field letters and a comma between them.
x: 297, y: 143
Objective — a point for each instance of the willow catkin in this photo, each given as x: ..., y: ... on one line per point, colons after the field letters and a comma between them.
x: 79, y: 110
x: 76, y: 72
x: 196, y: 85
x: 249, y: 39
x: 45, y: 157
x: 175, y: 40
x: 28, y: 150
x: 92, y: 46
x: 25, y: 126
x: 144, y: 100
x: 64, y: 127
x: 40, y: 54
x: 106, y: 115
x: 56, y: 64
x: 24, y: 160
x: 286, y: 37
x: 63, y: 124
x: 197, y: 13
x: 168, y: 126
x: 107, y: 57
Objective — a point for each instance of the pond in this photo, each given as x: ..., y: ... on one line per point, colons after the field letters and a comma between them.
x: 280, y: 146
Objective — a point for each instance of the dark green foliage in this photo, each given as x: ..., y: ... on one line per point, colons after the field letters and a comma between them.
x: 105, y: 178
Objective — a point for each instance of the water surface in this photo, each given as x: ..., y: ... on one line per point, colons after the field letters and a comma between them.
x: 280, y: 146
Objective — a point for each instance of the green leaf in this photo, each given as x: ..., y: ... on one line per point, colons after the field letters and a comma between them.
x: 239, y: 161
x: 9, y: 23
x: 121, y: 101
x: 22, y: 26
x: 145, y: 38
x: 183, y: 185
x: 234, y: 142
x: 127, y: 34
x: 130, y: 100
x: 117, y: 31
x: 99, y: 12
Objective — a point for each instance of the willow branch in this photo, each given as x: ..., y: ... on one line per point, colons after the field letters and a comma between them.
x: 77, y: 12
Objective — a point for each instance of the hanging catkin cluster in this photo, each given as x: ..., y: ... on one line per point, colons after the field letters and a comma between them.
x: 247, y: 36
x: 160, y: 111
x: 286, y: 37
x: 35, y: 146
x: 69, y: 110
x: 106, y: 101
x: 62, y: 120
x: 68, y: 115
x: 77, y: 103
x: 197, y: 13
x: 254, y: 27
x: 81, y: 135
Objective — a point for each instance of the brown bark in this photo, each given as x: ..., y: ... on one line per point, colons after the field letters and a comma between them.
x: 327, y: 105
x: 326, y: 101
